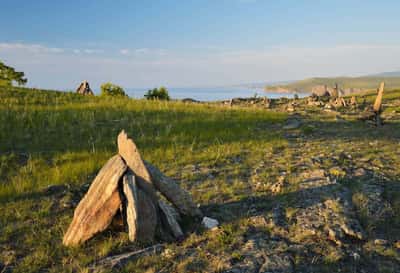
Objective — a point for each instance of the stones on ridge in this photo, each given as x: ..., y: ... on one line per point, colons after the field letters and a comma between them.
x: 98, y: 207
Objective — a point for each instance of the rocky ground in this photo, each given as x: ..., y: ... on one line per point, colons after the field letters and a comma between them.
x: 330, y: 204
x: 322, y: 197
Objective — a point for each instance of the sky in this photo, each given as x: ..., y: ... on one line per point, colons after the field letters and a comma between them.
x: 194, y: 43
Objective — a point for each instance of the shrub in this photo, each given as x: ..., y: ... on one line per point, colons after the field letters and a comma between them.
x: 109, y: 89
x: 159, y: 94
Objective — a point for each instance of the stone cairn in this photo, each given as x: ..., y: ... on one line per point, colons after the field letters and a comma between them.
x: 151, y: 203
x: 84, y: 89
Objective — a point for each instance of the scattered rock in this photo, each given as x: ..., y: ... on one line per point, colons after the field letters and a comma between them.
x: 359, y: 172
x: 209, y: 223
x: 292, y: 123
x: 277, y: 264
x: 56, y: 189
x: 381, y: 242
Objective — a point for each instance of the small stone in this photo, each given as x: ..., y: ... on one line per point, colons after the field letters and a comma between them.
x: 277, y: 263
x: 355, y: 256
x: 292, y: 124
x: 168, y: 253
x: 56, y: 189
x: 359, y: 172
x: 209, y: 223
x: 381, y: 242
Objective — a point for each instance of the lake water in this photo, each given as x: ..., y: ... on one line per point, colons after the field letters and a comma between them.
x: 212, y: 94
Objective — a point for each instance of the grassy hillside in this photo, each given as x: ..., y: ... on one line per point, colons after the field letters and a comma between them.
x: 365, y: 83
x: 287, y: 199
x: 53, y: 138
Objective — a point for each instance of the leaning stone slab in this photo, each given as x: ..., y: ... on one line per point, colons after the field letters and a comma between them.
x: 141, y: 214
x: 171, y: 220
x: 180, y: 198
x: 97, y: 208
x: 129, y: 152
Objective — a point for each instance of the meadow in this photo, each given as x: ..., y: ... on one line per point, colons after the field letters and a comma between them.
x: 280, y: 195
x: 53, y: 138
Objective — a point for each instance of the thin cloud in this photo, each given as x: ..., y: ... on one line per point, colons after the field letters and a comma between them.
x: 93, y: 51
x: 34, y: 48
x: 125, y: 51
x: 190, y: 67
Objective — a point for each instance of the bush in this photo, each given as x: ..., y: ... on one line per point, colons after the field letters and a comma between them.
x: 158, y: 94
x: 109, y: 89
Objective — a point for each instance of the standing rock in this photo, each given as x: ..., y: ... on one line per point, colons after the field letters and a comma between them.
x: 84, y: 89
x: 180, y: 198
x: 378, y: 100
x: 141, y: 215
x: 129, y: 152
x: 97, y: 208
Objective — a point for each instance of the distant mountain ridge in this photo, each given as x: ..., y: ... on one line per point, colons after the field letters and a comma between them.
x: 348, y: 84
x: 387, y: 74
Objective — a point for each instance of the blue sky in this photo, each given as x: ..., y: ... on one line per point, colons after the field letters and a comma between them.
x: 196, y: 43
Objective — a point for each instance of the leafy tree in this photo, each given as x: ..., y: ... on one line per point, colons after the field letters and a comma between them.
x: 109, y: 89
x: 160, y: 93
x: 8, y: 75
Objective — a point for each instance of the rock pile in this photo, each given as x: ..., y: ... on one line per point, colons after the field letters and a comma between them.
x: 84, y: 89
x: 151, y: 203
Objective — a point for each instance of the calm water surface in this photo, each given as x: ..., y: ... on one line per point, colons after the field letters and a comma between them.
x: 212, y: 94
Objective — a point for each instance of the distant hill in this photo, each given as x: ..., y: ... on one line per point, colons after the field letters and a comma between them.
x: 387, y: 74
x: 349, y: 84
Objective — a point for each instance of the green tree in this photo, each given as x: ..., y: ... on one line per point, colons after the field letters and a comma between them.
x: 160, y: 93
x: 109, y: 89
x: 8, y: 75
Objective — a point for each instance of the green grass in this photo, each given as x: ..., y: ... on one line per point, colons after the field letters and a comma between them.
x: 228, y: 158
x: 55, y: 138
